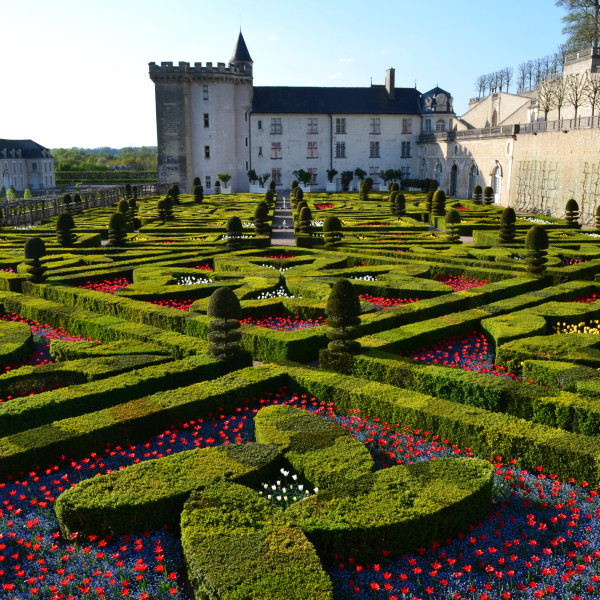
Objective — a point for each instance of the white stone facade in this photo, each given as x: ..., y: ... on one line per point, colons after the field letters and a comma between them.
x: 26, y: 165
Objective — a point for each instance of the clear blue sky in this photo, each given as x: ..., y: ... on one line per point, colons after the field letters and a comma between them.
x: 75, y: 73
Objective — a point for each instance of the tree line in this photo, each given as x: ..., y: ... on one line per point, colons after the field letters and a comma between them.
x: 143, y: 158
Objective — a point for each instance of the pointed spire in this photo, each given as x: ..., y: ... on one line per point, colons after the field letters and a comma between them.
x: 241, y: 54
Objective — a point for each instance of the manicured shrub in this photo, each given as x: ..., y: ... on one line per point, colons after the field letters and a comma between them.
x: 452, y: 220
x: 400, y: 205
x: 270, y: 197
x: 346, y: 177
x: 304, y: 220
x: 438, y: 203
x: 117, y: 229
x: 234, y: 232
x: 488, y: 196
x: 128, y: 192
x: 394, y: 187
x: 173, y: 193
x: 64, y: 230
x: 298, y: 194
x: 477, y: 194
x: 77, y: 202
x: 35, y: 249
x: 392, y: 200
x: 429, y: 201
x: 364, y: 190
x: 293, y: 185
x: 572, y: 214
x: 507, y: 226
x: 260, y: 218
x: 369, y: 182
x: 536, y: 244
x: 123, y: 207
x: 196, y: 182
x: 198, y: 194
x: 68, y: 201
x: 272, y: 185
x: 161, y: 206
x: 332, y: 232
x: 598, y: 217
x: 224, y: 330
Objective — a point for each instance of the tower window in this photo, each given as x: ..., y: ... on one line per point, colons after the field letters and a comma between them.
x: 206, y: 151
x: 204, y: 92
x: 259, y: 124
x: 206, y: 120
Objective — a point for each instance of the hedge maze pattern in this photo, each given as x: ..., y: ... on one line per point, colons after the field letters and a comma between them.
x: 452, y: 454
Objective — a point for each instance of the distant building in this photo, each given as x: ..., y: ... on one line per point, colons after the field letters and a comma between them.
x: 212, y: 119
x: 25, y: 164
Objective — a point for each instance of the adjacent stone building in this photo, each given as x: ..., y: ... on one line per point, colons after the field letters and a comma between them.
x: 25, y: 164
x: 212, y: 119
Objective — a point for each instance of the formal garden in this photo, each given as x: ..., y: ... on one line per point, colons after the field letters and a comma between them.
x: 404, y: 405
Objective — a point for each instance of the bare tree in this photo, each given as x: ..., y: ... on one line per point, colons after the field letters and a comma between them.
x: 522, y: 80
x: 499, y: 80
x: 546, y: 97
x: 530, y: 71
x: 480, y: 85
x: 489, y: 81
x: 508, y: 75
x: 575, y: 92
x: 560, y: 93
x: 592, y: 91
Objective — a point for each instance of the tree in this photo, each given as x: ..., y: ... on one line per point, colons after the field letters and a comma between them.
x: 252, y: 176
x: 173, y: 193
x: 332, y: 232
x: 346, y: 177
x: 592, y: 91
x: 392, y: 199
x: 582, y: 22
x: 117, y: 229
x: 536, y: 244
x: 224, y: 329
x: 262, y: 179
x: 360, y: 173
x: 507, y: 226
x: 303, y: 176
x: 480, y: 85
x: 598, y: 217
x: 452, y: 220
x: 522, y: 76
x: 64, y: 230
x: 331, y: 173
x: 224, y: 178
x: 572, y: 214
x: 560, y: 93
x: 35, y: 249
x: 27, y: 194
x: 576, y: 86
x: 161, y: 206
x: 429, y: 201
x: 545, y: 98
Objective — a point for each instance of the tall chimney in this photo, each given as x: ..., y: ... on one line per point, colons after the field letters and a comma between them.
x: 390, y: 82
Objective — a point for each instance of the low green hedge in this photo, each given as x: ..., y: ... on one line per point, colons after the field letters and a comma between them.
x: 319, y: 450
x: 238, y: 546
x: 16, y: 342
x: 151, y: 494
x: 41, y: 409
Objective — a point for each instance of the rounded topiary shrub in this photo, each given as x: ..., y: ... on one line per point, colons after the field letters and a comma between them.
x: 438, y: 203
x: 269, y: 197
x: 260, y: 218
x: 332, y: 232
x: 196, y: 182
x: 452, y: 220
x: 400, y: 205
x: 477, y: 194
x: 35, y: 249
x: 536, y: 244
x: 364, y: 190
x: 173, y: 193
x: 64, y: 230
x: 394, y: 187
x: 488, y: 195
x: 304, y: 220
x: 198, y: 194
x: 117, y: 229
x: 572, y: 214
x: 392, y: 200
x: 429, y: 201
x: 224, y: 329
x: 272, y: 185
x: 234, y: 233
x: 507, y: 226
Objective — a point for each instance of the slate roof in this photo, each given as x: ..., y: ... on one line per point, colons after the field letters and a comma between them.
x: 323, y: 100
x: 241, y: 54
x: 29, y: 148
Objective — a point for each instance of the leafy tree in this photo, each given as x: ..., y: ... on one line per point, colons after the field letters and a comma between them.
x: 572, y: 214
x: 262, y: 179
x: 252, y: 176
x: 117, y: 230
x: 27, y: 194
x: 452, y: 220
x: 35, y: 249
x: 303, y: 176
x: 536, y: 244
x: 582, y: 22
x: 507, y: 226
x: 224, y: 329
x: 224, y: 178
x: 332, y: 232
x: 346, y: 178
x: 360, y: 173
x: 64, y: 230
x: 331, y: 173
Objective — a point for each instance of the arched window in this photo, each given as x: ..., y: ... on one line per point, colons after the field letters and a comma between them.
x: 494, y: 118
x: 497, y: 183
x: 440, y: 126
x: 424, y: 173
x: 438, y: 174
x: 454, y: 181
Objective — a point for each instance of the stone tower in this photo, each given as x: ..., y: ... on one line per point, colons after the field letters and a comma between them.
x: 202, y: 119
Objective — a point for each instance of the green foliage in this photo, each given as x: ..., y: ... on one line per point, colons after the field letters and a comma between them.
x: 234, y: 231
x: 332, y: 232
x: 224, y: 178
x: 488, y: 196
x: 252, y: 176
x: 303, y: 176
x: 392, y: 200
x: 173, y: 193
x: 507, y: 226
x: 272, y: 186
x: 395, y: 187
x: 597, y: 215
x: 198, y: 194
x: 346, y: 178
x: 360, y: 174
x: 572, y: 214
x: 27, y: 194
x: 452, y: 220
x: 369, y: 182
x: 438, y: 203
x: 64, y: 230
x: 536, y: 243
x: 331, y: 173
x: 196, y: 182
x: 270, y: 197
x: 304, y: 220
x: 35, y: 249
x: 477, y: 194
x: 105, y: 159
x: 123, y: 207
x: 260, y: 218
x: 293, y: 184
x: 400, y: 205
x: 429, y: 201
x: 117, y: 229
x: 364, y: 191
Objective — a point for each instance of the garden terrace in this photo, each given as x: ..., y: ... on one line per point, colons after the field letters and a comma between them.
x: 474, y: 362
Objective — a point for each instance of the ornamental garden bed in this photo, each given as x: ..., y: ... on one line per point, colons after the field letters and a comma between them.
x: 458, y: 460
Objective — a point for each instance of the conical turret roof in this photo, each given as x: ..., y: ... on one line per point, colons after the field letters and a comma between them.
x: 241, y: 54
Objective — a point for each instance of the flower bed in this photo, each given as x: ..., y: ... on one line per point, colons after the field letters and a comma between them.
x: 174, y: 303
x: 283, y: 323
x: 586, y: 299
x: 470, y: 352
x: 460, y: 282
x: 108, y: 286
x: 381, y: 303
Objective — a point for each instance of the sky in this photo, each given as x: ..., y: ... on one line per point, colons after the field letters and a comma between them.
x: 75, y: 72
